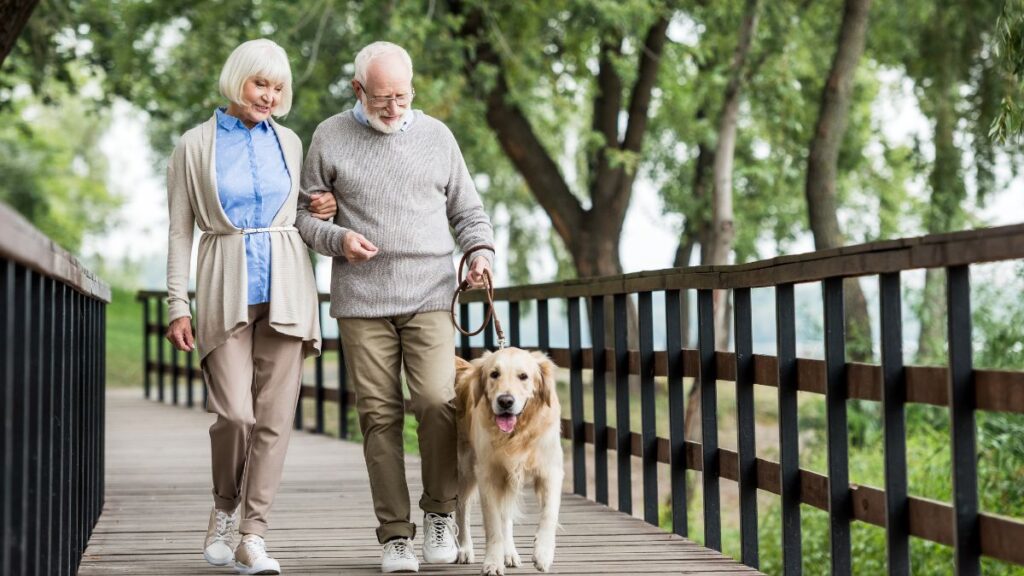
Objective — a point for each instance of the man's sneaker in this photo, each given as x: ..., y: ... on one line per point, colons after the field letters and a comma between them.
x: 251, y: 557
x: 398, y: 556
x: 439, y: 534
x: 218, y: 549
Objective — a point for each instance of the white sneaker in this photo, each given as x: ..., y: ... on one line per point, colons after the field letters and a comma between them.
x: 251, y: 557
x: 398, y: 556
x: 439, y: 534
x: 218, y: 548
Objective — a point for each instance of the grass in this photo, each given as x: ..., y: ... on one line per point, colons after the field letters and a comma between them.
x: 124, y: 340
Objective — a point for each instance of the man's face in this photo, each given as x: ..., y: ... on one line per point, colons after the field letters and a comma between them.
x: 387, y: 94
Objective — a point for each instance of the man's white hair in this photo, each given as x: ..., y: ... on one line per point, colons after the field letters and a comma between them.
x: 375, y: 50
x: 263, y: 58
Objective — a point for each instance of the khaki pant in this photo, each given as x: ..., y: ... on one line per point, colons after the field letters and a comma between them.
x: 253, y: 382
x: 375, y: 351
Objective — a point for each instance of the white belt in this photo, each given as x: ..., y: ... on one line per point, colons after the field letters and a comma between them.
x: 245, y: 231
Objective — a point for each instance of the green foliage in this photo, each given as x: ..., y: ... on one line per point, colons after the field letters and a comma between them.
x: 1009, y: 122
x: 51, y: 168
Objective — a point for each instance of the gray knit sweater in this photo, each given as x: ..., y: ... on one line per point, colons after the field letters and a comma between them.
x: 401, y: 191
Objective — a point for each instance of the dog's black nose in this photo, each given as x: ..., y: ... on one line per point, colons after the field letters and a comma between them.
x: 505, y: 401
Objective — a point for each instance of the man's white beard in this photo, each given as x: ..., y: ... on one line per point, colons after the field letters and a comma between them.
x: 376, y: 123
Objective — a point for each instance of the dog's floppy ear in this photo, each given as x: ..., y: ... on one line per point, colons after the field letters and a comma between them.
x: 479, y: 379
x: 462, y: 367
x: 546, y: 382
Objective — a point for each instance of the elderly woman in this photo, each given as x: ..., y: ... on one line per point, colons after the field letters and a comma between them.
x: 236, y: 177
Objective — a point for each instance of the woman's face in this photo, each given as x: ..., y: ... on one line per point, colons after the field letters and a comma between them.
x: 262, y: 97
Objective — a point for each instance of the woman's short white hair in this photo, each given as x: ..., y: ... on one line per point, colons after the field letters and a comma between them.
x: 373, y: 51
x: 262, y: 58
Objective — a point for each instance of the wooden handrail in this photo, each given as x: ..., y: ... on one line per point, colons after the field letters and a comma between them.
x: 21, y: 242
x: 934, y: 251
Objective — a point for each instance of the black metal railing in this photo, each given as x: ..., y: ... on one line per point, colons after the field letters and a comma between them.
x: 52, y: 369
x: 958, y: 386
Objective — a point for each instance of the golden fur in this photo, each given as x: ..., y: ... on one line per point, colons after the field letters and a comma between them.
x: 501, y: 463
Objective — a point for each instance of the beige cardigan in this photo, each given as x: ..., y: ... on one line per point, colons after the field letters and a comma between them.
x: 221, y: 277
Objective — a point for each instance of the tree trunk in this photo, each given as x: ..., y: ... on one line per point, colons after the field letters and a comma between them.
x: 13, y: 16
x: 822, y: 166
x: 718, y: 243
x: 722, y: 218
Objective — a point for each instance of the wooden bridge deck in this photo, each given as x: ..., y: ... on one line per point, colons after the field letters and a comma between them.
x: 158, y: 501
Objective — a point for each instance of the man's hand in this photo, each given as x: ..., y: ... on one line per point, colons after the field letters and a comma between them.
x: 477, y: 269
x: 323, y: 205
x: 179, y: 334
x: 357, y: 248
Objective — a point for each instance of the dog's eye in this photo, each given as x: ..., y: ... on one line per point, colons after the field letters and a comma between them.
x: 523, y: 377
x: 494, y: 374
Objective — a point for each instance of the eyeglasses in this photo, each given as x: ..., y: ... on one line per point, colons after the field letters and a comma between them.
x: 384, y: 101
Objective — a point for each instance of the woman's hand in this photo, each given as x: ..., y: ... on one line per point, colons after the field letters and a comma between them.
x: 179, y: 334
x: 323, y: 205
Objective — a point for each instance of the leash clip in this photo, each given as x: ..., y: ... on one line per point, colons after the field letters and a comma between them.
x: 502, y: 344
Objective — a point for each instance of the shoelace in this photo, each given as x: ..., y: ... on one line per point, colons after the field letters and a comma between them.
x: 256, y: 547
x: 398, y: 548
x: 440, y: 526
x: 225, y: 525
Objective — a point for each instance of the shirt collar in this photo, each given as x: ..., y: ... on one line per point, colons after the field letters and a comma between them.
x: 229, y: 122
x: 360, y: 115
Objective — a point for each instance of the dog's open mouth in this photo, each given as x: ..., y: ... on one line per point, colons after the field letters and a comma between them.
x: 506, y: 422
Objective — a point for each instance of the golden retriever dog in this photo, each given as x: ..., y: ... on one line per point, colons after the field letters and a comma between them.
x: 509, y: 423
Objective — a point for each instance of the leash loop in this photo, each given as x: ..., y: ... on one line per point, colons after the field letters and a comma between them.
x: 489, y: 287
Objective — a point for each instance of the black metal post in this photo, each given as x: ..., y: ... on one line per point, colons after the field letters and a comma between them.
x: 623, y: 444
x: 709, y: 417
x: 600, y: 391
x: 894, y: 394
x: 466, y: 353
x: 146, y: 339
x: 840, y: 504
x: 746, y: 434
x: 579, y: 454
x: 963, y: 431
x: 789, y: 455
x: 513, y: 323
x: 676, y: 410
x: 160, y: 353
x: 543, y: 327
x: 318, y: 364
x: 648, y: 424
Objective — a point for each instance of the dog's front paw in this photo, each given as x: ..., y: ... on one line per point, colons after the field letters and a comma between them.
x: 466, y: 555
x: 543, y: 556
x: 513, y: 560
x: 493, y: 567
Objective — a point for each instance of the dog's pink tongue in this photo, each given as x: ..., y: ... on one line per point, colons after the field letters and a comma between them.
x: 506, y: 422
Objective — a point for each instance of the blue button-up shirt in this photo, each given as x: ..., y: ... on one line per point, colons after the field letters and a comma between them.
x: 253, y: 182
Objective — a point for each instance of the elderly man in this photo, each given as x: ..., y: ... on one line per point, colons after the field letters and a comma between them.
x: 400, y: 183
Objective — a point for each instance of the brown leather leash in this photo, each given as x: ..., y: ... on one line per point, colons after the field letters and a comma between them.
x: 488, y: 286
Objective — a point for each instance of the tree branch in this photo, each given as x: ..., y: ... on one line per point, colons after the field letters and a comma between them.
x: 607, y: 104
x: 516, y: 135
x: 640, y: 99
x: 13, y: 16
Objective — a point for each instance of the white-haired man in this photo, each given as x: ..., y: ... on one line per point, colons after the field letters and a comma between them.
x: 400, y: 182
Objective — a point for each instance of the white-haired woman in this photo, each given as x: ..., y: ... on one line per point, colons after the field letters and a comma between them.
x: 236, y: 177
